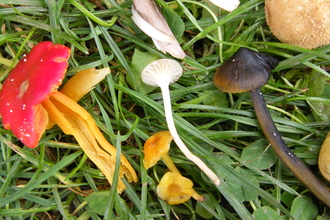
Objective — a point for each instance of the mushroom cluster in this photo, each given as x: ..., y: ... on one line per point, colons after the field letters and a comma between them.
x: 30, y: 103
x: 161, y: 73
x: 248, y: 70
x: 173, y: 187
x: 304, y: 23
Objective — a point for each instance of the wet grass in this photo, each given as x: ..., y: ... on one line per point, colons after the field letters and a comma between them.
x: 57, y: 181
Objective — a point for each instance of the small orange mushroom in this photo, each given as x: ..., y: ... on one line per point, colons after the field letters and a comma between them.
x: 156, y: 148
x: 175, y: 189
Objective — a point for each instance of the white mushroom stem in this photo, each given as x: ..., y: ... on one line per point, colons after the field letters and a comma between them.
x: 170, y: 124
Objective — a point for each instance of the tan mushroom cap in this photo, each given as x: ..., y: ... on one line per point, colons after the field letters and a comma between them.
x: 304, y: 23
x: 176, y: 189
x: 324, y: 158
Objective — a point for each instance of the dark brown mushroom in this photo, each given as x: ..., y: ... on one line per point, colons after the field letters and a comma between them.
x: 248, y: 70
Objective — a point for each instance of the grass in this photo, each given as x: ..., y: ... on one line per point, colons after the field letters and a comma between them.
x: 57, y: 181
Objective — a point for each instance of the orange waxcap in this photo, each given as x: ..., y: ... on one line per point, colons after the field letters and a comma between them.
x: 175, y: 189
x: 156, y: 147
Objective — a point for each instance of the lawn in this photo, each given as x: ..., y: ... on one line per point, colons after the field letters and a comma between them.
x: 56, y: 180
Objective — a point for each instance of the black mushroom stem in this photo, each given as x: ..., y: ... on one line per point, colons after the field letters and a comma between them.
x: 298, y: 168
x: 248, y: 70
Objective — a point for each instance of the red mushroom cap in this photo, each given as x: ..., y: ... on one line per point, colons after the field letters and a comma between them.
x: 32, y: 81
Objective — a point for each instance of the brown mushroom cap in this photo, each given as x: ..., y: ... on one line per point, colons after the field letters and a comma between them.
x: 304, y: 23
x: 244, y: 71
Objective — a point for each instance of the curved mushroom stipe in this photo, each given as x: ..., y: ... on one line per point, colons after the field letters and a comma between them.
x: 70, y: 108
x: 297, y: 167
x: 171, y: 126
x: 245, y: 71
x: 76, y: 126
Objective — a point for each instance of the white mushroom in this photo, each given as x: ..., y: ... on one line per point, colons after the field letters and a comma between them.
x: 150, y: 30
x: 227, y: 5
x: 151, y: 21
x: 161, y: 73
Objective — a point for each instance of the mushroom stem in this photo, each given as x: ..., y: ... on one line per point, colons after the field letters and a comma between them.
x: 198, y: 197
x: 169, y: 163
x: 77, y: 126
x: 297, y: 167
x: 83, y: 82
x: 170, y: 123
x: 74, y: 107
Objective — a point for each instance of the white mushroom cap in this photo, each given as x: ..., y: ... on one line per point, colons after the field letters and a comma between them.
x: 228, y: 5
x: 151, y: 21
x: 161, y: 72
x: 149, y: 29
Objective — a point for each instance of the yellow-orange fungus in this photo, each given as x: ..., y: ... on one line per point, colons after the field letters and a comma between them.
x: 156, y: 147
x: 175, y: 189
